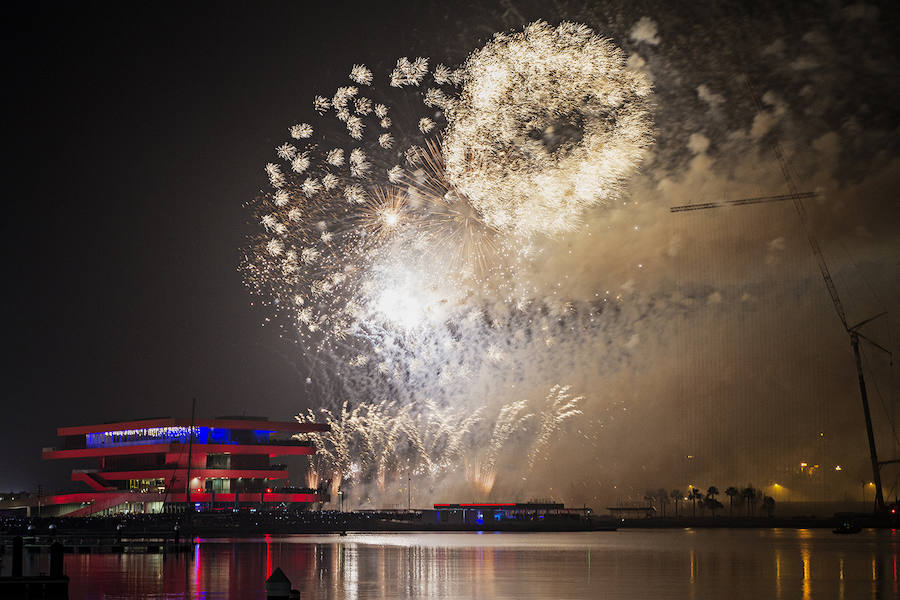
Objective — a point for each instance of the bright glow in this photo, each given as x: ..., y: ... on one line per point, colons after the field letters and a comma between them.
x: 390, y: 218
x: 400, y: 306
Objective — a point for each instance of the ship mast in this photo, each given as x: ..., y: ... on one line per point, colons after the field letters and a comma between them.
x: 187, y: 501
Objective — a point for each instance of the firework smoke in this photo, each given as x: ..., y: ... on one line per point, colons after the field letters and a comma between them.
x: 401, y: 248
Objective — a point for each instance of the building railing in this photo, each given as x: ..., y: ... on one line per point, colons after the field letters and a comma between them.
x: 288, y: 442
x: 171, y: 467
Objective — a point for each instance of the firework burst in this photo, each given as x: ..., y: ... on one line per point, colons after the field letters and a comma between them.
x: 549, y: 122
x: 398, y: 246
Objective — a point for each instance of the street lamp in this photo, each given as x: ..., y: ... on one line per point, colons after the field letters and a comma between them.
x: 864, y: 486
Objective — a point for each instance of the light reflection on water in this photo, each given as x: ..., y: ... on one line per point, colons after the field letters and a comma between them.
x: 669, y: 564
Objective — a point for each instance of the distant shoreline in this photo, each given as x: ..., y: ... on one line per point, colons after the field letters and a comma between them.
x: 183, y: 527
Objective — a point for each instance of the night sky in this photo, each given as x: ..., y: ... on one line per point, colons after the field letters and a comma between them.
x: 135, y: 135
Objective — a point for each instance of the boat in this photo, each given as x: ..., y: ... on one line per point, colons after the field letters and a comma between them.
x: 847, y: 527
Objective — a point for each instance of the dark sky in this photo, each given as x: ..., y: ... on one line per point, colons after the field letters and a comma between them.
x: 135, y: 134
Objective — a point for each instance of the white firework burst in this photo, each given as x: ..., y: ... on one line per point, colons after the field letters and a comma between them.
x: 301, y: 131
x: 361, y: 75
x: 343, y: 95
x: 269, y: 221
x: 413, y: 155
x: 436, y: 97
x: 300, y: 163
x: 549, y: 122
x: 281, y: 198
x: 335, y: 157
x: 386, y: 141
x: 355, y: 127
x: 409, y: 72
x: 286, y: 151
x: 359, y: 166
x: 310, y: 186
x: 355, y: 194
x: 366, y: 272
x: 362, y: 106
x: 330, y: 181
x: 442, y: 74
x: 395, y: 174
x: 321, y: 104
x: 425, y: 125
x: 276, y: 177
x: 309, y: 255
x: 275, y: 246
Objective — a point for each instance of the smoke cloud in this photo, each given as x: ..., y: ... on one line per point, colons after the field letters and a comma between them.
x: 705, y: 344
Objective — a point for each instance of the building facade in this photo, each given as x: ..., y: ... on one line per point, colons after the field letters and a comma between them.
x: 156, y: 465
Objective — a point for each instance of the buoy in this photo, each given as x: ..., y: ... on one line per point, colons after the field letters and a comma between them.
x: 278, y: 586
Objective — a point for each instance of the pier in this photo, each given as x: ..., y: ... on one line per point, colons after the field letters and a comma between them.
x: 97, y: 543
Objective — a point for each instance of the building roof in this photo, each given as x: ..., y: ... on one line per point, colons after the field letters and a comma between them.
x: 254, y: 423
x: 506, y: 506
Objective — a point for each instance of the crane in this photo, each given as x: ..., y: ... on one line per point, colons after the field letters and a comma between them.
x: 797, y: 197
x: 742, y: 201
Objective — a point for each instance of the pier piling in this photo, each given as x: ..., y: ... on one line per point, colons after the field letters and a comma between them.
x: 18, y: 550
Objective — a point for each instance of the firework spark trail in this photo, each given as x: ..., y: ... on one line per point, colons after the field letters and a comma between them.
x: 381, y: 430
x: 559, y: 407
x: 382, y: 442
x: 509, y: 420
x: 482, y: 472
x: 369, y: 441
x: 337, y: 445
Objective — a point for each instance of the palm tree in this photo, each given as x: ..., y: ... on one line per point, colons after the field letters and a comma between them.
x: 711, y: 493
x: 712, y: 504
x: 648, y: 498
x: 694, y: 496
x: 731, y: 492
x: 676, y: 496
x: 749, y: 494
x: 663, y: 498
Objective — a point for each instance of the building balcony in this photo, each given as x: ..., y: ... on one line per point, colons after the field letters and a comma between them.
x: 181, y: 473
x: 272, y: 448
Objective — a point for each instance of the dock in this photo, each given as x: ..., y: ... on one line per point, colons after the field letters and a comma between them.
x: 99, y: 543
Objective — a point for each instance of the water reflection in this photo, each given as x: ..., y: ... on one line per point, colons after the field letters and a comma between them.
x: 841, y: 587
x: 778, y: 594
x: 807, y: 585
x: 626, y: 564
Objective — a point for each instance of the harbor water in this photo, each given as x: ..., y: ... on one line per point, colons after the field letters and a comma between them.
x: 664, y: 563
